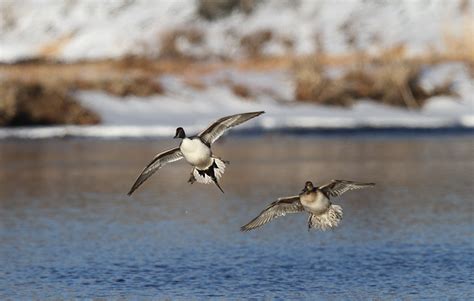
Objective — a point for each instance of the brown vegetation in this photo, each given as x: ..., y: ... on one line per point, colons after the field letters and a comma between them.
x: 36, y: 92
x: 138, y: 86
x: 241, y: 90
x: 214, y: 9
x: 121, y: 78
x: 169, y: 42
x: 391, y: 77
x: 394, y: 83
x: 253, y: 43
x: 34, y: 104
x: 53, y: 48
x: 460, y: 46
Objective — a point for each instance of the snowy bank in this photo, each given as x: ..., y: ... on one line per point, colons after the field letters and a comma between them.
x: 195, y: 108
x: 90, y: 29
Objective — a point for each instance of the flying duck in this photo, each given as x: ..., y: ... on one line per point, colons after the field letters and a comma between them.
x: 197, y: 151
x: 314, y: 200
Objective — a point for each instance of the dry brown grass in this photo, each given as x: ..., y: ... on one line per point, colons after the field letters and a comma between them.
x: 253, y: 43
x: 114, y: 77
x: 169, y: 42
x: 36, y: 104
x: 138, y: 86
x: 460, y: 46
x: 241, y: 90
x: 127, y: 76
x: 53, y: 48
x: 389, y: 78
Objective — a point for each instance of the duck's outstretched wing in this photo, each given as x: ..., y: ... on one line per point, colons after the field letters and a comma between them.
x: 218, y: 128
x: 159, y: 161
x: 338, y: 187
x: 276, y: 209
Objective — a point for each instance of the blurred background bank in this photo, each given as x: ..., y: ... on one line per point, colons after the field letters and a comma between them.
x: 141, y: 67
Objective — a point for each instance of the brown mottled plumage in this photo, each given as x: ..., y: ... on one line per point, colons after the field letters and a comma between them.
x: 314, y: 200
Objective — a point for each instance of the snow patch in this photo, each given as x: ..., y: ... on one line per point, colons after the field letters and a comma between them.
x: 109, y: 29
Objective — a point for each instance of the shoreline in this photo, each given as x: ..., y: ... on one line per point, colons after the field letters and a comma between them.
x: 157, y: 132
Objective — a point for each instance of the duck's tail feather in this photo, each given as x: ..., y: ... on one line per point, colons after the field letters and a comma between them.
x: 212, y: 174
x: 329, y: 219
x: 218, y: 186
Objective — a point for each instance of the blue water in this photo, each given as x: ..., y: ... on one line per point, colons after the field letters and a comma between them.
x: 67, y: 229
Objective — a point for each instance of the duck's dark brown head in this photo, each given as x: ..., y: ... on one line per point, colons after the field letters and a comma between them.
x: 308, y: 186
x: 180, y: 133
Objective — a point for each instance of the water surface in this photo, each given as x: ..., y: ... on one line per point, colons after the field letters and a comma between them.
x: 68, y: 230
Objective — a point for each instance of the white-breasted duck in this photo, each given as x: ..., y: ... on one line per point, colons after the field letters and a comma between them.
x: 197, y: 151
x: 314, y: 200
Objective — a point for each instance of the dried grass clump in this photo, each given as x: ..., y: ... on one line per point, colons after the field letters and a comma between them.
x: 241, y: 90
x: 253, y: 43
x: 124, y: 77
x: 215, y: 9
x: 460, y: 46
x: 35, y: 104
x: 53, y: 49
x: 169, y: 47
x: 137, y: 86
x: 395, y: 83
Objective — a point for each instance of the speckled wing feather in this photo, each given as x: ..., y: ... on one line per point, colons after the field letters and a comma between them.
x: 159, y: 161
x: 338, y: 187
x: 276, y: 209
x: 218, y: 128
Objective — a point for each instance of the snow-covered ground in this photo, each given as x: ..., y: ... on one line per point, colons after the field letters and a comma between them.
x: 86, y: 29
x: 194, y: 109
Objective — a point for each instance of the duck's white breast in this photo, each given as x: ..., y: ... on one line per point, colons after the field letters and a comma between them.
x: 196, y: 152
x: 315, y: 202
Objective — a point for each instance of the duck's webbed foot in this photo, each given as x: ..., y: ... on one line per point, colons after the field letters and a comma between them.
x: 192, y: 179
